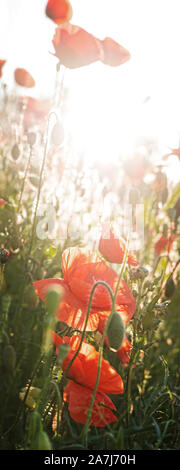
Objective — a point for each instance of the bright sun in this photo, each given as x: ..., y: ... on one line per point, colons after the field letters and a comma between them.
x: 109, y: 109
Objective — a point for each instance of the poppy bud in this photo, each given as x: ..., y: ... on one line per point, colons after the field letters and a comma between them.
x: 169, y: 288
x: 57, y: 135
x: 43, y: 441
x: 4, y: 255
x: 9, y: 356
x: 15, y: 152
x: 53, y: 299
x: 115, y: 331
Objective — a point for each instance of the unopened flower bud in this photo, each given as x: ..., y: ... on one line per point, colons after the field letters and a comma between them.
x: 15, y: 152
x: 57, y: 135
x: 115, y: 332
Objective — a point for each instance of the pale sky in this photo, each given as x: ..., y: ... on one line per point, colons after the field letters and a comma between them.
x: 111, y: 99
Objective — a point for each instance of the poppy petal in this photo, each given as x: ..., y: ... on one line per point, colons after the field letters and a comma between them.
x: 114, y: 53
x: 74, y: 46
x: 70, y: 310
x: 84, y: 371
x: 79, y: 399
x: 124, y: 352
x: 113, y: 249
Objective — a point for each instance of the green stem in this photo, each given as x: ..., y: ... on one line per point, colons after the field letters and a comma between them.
x: 24, y: 179
x: 113, y: 297
x: 85, y: 325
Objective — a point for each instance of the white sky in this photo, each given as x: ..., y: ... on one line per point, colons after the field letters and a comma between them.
x: 108, y: 100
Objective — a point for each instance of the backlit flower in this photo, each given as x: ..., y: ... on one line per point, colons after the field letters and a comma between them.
x: 82, y: 375
x: 24, y: 78
x: 59, y: 11
x: 82, y: 269
x: 113, y: 53
x: 164, y: 244
x: 113, y: 249
x: 75, y: 48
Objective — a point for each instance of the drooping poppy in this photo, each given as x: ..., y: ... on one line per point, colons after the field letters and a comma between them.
x: 59, y: 11
x: 113, y: 249
x: 164, y: 244
x: 82, y: 375
x: 2, y: 63
x: 24, y: 78
x: 113, y: 53
x: 81, y: 269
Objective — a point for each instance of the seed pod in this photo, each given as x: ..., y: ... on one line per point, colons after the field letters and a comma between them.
x: 115, y: 331
x: 52, y: 302
x: 9, y: 357
x: 15, y: 152
x: 169, y: 288
x: 4, y: 255
x: 57, y: 135
x: 43, y: 441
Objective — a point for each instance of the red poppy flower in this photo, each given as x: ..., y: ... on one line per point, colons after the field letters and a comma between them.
x: 124, y: 352
x: 59, y: 11
x: 2, y: 202
x: 83, y: 373
x: 81, y: 270
x: 23, y: 78
x: 113, y: 53
x: 2, y: 62
x: 113, y: 249
x: 164, y: 244
x: 74, y: 46
x: 79, y: 399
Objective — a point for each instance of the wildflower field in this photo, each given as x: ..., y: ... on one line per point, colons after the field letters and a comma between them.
x: 89, y: 271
